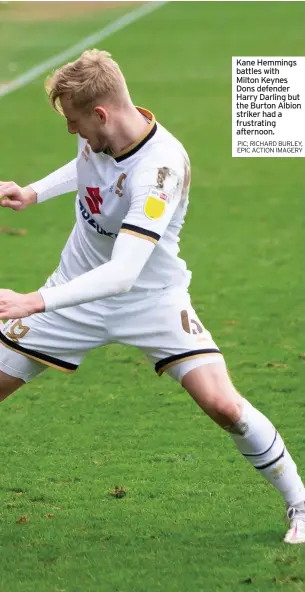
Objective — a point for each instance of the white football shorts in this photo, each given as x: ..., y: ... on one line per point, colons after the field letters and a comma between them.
x: 161, y: 323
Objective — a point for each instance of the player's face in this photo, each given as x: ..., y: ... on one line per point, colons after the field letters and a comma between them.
x: 90, y: 126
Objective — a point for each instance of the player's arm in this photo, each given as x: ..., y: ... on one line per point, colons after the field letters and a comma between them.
x: 150, y: 212
x: 61, y: 181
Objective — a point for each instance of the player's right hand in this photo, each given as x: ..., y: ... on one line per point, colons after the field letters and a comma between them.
x: 15, y: 197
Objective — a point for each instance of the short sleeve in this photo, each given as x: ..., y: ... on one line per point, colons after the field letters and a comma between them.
x: 155, y: 193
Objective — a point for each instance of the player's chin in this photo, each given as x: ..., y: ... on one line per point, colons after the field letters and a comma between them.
x: 99, y: 148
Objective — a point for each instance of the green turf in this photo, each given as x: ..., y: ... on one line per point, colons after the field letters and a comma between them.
x: 195, y: 516
x: 40, y: 39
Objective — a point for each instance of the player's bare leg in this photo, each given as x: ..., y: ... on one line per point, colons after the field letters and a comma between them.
x: 8, y: 385
x: 255, y: 437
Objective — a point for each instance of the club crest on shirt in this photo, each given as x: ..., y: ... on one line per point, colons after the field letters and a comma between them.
x: 155, y: 203
x: 119, y: 185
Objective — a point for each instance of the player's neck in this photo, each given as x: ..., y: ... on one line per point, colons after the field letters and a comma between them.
x: 130, y: 127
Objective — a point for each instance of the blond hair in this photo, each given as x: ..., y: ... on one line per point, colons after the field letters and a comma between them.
x: 92, y: 78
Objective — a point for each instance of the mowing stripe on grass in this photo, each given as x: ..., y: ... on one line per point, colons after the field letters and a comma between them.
x: 96, y: 37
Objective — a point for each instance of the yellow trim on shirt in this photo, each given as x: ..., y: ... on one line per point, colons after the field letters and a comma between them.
x: 139, y: 235
x: 161, y: 370
x: 152, y: 119
x: 66, y: 370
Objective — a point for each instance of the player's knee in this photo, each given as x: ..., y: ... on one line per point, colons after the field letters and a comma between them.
x: 224, y: 410
x: 8, y: 385
x: 212, y: 389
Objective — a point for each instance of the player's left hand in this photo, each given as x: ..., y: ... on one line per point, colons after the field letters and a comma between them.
x: 17, y: 306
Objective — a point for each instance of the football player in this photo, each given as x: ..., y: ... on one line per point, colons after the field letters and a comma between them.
x: 120, y: 278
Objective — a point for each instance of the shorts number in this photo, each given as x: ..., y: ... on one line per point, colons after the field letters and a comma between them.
x: 190, y: 325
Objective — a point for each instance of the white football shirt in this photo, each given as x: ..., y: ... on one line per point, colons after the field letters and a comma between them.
x: 142, y: 191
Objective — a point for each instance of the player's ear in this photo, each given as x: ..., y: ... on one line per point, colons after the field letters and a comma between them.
x: 101, y: 113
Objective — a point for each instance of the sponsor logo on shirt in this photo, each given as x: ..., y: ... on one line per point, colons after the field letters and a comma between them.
x: 93, y: 223
x: 95, y: 200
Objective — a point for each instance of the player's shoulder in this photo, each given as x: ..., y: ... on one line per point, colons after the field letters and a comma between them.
x: 162, y: 164
x: 163, y: 152
x: 166, y: 144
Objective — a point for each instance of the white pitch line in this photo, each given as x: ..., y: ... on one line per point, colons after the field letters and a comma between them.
x: 59, y: 58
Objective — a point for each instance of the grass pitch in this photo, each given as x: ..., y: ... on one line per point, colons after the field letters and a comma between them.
x: 113, y: 480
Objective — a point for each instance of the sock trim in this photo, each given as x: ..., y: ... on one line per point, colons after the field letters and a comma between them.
x: 272, y: 462
x: 265, y: 451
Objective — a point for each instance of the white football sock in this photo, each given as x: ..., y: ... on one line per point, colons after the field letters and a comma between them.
x: 259, y: 442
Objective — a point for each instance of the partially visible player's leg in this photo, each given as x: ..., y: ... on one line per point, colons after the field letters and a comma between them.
x: 254, y: 435
x: 15, y: 371
x: 211, y: 387
x: 59, y: 339
x: 8, y: 385
x: 168, y: 330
